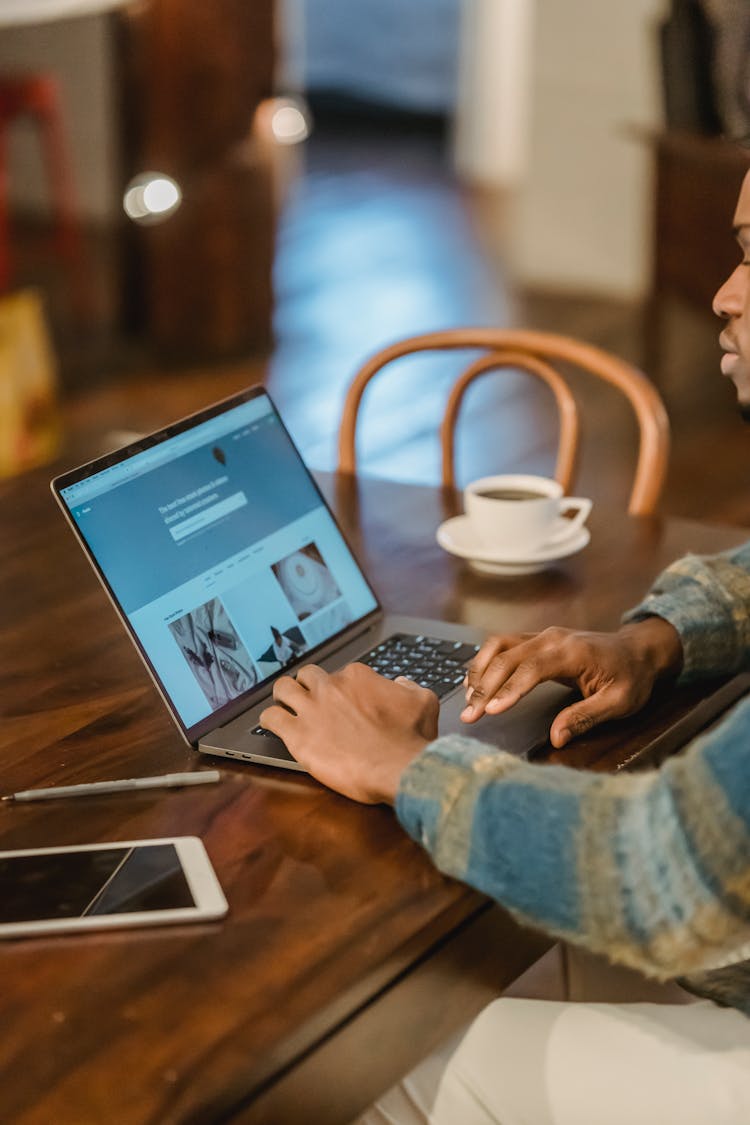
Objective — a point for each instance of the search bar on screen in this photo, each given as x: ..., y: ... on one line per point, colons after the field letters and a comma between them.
x: 208, y: 516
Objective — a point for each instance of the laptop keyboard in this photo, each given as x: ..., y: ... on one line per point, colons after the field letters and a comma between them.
x: 430, y: 661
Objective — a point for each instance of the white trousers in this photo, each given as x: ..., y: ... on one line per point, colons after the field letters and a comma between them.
x: 549, y: 1062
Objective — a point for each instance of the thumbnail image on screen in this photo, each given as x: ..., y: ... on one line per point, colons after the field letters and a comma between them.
x: 217, y: 657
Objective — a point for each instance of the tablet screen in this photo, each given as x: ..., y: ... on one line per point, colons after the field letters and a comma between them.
x: 92, y: 882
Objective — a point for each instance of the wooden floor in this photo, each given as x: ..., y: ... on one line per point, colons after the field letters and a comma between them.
x: 376, y: 240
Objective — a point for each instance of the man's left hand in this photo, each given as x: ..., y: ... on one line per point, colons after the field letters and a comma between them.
x: 353, y: 730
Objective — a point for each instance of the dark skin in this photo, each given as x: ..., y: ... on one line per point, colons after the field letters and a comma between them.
x: 353, y: 730
x: 614, y: 672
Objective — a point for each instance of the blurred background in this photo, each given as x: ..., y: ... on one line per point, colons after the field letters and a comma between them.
x: 271, y: 190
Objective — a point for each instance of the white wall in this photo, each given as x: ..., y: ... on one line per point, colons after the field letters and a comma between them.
x: 77, y: 51
x: 495, y: 70
x: 581, y: 215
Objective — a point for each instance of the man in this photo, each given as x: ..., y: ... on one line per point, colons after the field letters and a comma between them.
x: 651, y: 870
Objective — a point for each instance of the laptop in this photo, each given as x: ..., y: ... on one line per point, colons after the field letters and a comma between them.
x: 228, y: 569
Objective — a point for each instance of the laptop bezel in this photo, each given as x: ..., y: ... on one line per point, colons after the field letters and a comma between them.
x: 250, y: 698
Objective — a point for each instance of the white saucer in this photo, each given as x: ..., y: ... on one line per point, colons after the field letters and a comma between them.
x: 457, y: 537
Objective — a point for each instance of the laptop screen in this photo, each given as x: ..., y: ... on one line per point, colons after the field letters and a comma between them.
x: 220, y: 553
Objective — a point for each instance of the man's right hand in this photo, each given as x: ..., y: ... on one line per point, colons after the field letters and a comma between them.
x: 614, y: 672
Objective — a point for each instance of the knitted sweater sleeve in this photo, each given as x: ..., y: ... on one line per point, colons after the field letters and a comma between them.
x: 652, y: 869
x: 707, y: 599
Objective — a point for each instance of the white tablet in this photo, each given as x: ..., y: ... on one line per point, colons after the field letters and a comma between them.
x: 103, y: 886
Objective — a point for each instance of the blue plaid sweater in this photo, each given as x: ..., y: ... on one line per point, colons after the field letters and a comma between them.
x: 651, y: 869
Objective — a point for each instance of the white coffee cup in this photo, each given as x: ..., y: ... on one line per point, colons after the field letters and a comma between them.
x: 515, y: 515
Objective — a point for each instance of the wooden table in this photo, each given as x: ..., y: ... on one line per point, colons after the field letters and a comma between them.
x: 345, y: 955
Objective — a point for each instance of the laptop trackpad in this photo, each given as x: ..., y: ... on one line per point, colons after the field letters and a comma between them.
x: 522, y: 729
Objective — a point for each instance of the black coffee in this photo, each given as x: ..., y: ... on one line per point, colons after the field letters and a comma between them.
x: 512, y: 494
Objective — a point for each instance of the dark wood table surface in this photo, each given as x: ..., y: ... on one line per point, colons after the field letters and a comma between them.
x: 345, y: 956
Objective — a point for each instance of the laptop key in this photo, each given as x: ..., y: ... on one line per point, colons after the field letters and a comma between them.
x: 426, y: 660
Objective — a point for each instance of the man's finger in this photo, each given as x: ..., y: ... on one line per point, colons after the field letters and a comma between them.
x: 509, y: 676
x: 310, y: 674
x: 495, y: 669
x: 406, y: 681
x: 489, y: 650
x: 288, y: 692
x: 524, y: 678
x: 580, y: 717
x: 277, y: 720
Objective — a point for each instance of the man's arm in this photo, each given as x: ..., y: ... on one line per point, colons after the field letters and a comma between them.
x: 651, y: 869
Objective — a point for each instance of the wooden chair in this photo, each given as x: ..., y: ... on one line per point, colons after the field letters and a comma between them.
x: 530, y: 351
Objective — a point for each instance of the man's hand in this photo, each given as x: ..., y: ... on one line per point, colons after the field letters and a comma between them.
x: 615, y: 672
x: 354, y: 730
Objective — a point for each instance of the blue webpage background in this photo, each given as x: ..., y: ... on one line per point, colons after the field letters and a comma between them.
x: 132, y: 543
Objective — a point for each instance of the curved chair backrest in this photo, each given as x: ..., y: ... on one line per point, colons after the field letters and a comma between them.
x: 530, y: 351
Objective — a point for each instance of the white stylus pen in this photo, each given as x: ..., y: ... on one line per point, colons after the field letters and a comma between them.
x: 164, y: 781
